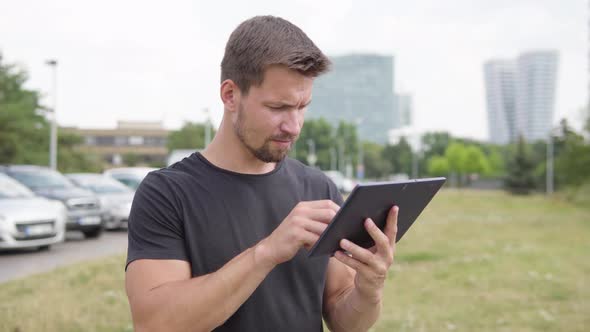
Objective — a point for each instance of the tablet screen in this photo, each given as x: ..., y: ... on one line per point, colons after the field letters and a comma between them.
x: 374, y: 200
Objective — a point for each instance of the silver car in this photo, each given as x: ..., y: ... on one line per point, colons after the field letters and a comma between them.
x: 115, y: 198
x: 129, y: 176
x: 84, y: 213
x: 26, y: 220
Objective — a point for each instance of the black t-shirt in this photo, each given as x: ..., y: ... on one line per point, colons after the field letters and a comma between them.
x: 200, y: 213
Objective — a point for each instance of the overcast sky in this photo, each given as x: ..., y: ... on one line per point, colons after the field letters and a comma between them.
x: 159, y: 60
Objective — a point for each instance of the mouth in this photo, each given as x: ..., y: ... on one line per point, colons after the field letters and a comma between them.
x: 282, y: 143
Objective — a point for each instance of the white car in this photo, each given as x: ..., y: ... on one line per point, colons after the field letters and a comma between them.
x: 26, y: 220
x: 129, y: 176
x: 115, y: 198
x: 344, y: 184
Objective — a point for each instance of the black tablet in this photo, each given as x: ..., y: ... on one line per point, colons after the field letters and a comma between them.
x: 374, y: 200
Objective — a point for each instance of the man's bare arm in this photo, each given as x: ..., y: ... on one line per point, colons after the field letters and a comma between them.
x: 164, y: 297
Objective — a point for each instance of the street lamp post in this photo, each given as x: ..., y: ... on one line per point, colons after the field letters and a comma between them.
x: 549, y: 176
x: 341, y: 161
x: 207, y: 127
x: 333, y: 158
x: 360, y: 167
x: 311, y: 156
x: 53, y: 131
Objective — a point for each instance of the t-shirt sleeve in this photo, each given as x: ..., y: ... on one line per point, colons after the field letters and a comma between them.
x: 334, y: 193
x: 155, y: 228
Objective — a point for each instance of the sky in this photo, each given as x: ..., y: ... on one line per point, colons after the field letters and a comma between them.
x: 159, y: 61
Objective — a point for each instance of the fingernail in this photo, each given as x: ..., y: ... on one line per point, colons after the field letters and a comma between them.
x: 344, y: 243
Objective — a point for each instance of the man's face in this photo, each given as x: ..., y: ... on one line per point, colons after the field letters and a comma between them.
x: 270, y: 117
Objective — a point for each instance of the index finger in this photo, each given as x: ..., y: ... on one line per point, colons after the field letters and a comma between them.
x: 391, y: 225
x: 322, y: 204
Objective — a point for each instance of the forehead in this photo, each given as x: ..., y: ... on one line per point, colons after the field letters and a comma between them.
x: 282, y: 83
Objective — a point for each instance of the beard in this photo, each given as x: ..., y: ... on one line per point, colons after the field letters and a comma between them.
x: 264, y: 153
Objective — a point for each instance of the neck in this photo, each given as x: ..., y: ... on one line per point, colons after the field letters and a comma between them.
x: 227, y: 151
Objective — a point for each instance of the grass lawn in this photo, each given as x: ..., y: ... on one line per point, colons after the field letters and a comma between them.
x: 474, y: 261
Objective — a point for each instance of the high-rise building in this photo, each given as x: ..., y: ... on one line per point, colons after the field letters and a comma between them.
x: 403, y: 109
x: 500, y: 99
x: 521, y: 96
x: 535, y: 94
x: 358, y: 89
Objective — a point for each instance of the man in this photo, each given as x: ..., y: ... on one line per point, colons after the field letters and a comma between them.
x: 215, y: 241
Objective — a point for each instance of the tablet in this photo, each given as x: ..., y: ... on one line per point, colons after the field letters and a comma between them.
x: 374, y: 200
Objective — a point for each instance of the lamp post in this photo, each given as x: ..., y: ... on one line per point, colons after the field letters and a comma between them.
x: 207, y: 127
x: 53, y: 131
x: 341, y: 161
x: 311, y: 156
x: 550, y: 178
x: 333, y: 158
x: 360, y: 167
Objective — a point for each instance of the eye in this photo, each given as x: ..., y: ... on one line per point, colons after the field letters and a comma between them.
x: 277, y: 108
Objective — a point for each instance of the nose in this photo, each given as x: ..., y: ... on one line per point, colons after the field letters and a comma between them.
x: 292, y: 123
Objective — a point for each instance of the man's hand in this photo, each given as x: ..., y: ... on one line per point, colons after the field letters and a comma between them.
x: 371, y: 265
x: 301, y: 228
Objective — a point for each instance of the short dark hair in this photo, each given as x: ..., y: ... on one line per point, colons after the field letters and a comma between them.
x: 263, y: 41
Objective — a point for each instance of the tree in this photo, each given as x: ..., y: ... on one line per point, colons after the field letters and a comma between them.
x: 496, y: 163
x: 520, y: 172
x: 321, y: 133
x: 572, y: 165
x: 399, y: 156
x: 435, y: 143
x: 72, y: 160
x: 475, y: 161
x: 456, y: 156
x: 190, y: 136
x: 375, y: 165
x: 131, y: 159
x: 438, y: 166
x: 24, y: 131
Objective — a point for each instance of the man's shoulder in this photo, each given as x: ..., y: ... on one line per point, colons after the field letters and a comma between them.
x: 177, y: 174
x: 304, y: 171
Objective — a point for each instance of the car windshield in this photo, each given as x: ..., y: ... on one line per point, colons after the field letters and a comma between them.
x: 128, y: 180
x: 100, y: 184
x: 10, y: 188
x: 41, y: 179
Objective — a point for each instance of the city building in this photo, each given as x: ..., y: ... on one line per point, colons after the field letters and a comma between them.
x: 500, y: 99
x: 403, y: 110
x: 535, y: 94
x: 359, y: 89
x: 145, y: 142
x: 520, y: 96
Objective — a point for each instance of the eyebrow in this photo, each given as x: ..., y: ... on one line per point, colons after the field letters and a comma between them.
x: 284, y: 103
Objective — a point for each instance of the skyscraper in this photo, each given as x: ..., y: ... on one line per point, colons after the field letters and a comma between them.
x: 535, y: 94
x: 521, y: 96
x: 403, y: 109
x: 500, y: 98
x: 359, y: 88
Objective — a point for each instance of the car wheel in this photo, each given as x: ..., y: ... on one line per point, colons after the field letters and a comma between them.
x: 93, y: 234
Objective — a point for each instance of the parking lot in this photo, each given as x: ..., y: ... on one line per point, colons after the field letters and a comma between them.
x: 20, y: 263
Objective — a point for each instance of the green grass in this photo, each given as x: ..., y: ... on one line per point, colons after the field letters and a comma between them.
x: 474, y: 261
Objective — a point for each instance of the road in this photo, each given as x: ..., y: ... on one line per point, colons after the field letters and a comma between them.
x: 18, y: 264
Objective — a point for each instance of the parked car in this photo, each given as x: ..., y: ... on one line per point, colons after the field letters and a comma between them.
x: 26, y: 220
x: 84, y: 213
x: 344, y: 184
x: 115, y: 198
x: 129, y: 176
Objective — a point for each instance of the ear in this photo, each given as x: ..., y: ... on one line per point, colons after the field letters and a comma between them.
x: 230, y: 95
